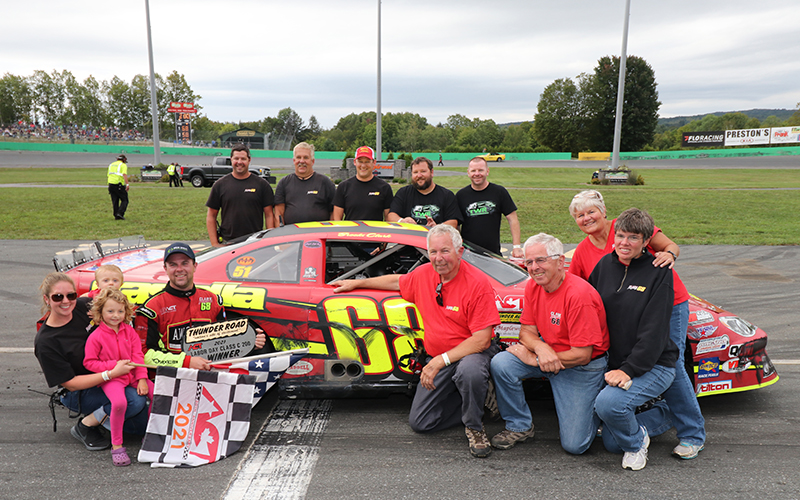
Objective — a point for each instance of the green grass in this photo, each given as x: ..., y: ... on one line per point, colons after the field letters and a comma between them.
x: 715, y: 206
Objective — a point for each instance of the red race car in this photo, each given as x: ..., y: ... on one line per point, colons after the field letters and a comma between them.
x: 359, y: 343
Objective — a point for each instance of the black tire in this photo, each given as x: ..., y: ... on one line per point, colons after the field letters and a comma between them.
x: 198, y: 181
x: 499, y: 159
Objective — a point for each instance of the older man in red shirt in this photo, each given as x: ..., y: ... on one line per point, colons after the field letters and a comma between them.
x: 457, y: 305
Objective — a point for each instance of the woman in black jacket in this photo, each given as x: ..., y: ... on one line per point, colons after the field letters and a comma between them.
x: 638, y: 300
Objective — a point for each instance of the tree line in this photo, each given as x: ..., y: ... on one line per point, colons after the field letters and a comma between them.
x: 60, y: 99
x: 572, y: 115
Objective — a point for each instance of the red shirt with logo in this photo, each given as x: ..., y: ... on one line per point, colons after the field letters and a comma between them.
x: 468, y: 305
x: 571, y: 316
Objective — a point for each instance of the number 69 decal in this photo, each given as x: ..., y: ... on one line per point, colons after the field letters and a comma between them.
x: 376, y: 338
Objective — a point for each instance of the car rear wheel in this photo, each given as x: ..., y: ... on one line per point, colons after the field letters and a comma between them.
x: 197, y: 181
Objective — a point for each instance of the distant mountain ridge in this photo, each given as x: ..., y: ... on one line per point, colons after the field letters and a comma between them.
x: 679, y: 121
x: 760, y: 114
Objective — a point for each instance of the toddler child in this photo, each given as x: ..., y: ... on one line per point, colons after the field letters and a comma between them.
x: 106, y: 276
x: 115, y: 340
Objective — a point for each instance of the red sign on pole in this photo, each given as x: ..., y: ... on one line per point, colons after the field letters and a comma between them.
x: 181, y: 107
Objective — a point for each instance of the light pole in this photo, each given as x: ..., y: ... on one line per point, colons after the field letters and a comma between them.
x: 623, y: 58
x: 378, y: 115
x: 153, y: 101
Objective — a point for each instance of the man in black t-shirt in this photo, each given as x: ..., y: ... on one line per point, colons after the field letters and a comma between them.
x: 363, y: 197
x: 305, y: 195
x: 246, y: 201
x: 424, y: 202
x: 481, y: 204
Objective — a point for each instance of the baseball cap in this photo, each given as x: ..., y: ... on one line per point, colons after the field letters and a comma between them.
x: 179, y: 247
x: 365, y: 152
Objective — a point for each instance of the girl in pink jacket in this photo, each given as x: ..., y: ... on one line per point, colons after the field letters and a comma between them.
x: 113, y: 341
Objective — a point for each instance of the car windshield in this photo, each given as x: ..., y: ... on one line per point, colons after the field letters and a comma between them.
x: 503, y: 272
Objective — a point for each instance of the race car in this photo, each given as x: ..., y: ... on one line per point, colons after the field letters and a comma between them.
x: 493, y: 157
x: 360, y: 343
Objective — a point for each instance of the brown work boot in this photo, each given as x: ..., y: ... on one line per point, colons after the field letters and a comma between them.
x: 507, y: 439
x: 479, y: 444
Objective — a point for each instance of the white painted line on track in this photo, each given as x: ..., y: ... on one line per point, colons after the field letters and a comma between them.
x: 27, y: 350
x: 281, y: 460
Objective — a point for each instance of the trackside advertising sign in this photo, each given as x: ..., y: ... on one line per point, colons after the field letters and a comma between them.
x: 785, y: 134
x: 744, y: 137
x: 747, y: 137
x: 703, y: 139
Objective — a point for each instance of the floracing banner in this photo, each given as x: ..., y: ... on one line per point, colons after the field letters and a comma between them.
x: 785, y: 134
x: 703, y: 139
x: 747, y: 137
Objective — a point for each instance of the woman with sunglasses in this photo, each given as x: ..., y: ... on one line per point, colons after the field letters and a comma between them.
x: 589, y: 211
x: 60, y: 348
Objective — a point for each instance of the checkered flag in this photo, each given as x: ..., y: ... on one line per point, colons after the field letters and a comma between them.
x: 197, y: 417
x: 267, y: 368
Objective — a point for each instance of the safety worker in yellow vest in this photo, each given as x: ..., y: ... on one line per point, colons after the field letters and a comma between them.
x: 118, y: 186
x: 171, y: 172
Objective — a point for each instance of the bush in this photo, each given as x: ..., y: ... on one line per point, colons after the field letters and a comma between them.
x: 390, y: 156
x: 349, y: 154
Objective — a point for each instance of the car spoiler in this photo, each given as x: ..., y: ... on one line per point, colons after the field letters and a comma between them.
x: 68, y: 259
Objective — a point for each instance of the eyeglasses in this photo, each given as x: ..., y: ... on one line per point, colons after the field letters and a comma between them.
x: 540, y: 260
x: 59, y: 297
x: 439, y: 298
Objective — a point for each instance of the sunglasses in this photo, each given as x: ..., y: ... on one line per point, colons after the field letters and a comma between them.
x: 59, y: 297
x: 439, y: 298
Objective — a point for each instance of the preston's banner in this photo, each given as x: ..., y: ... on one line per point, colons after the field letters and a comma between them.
x: 703, y: 139
x: 197, y: 417
x: 747, y: 137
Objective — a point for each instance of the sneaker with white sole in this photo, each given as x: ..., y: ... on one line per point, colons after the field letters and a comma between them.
x: 507, y: 439
x: 636, y: 460
x: 479, y: 444
x: 687, y: 451
x: 91, y: 437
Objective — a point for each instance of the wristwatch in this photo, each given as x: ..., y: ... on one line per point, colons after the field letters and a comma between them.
x: 674, y: 257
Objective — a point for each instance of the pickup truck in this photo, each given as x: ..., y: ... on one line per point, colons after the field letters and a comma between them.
x: 206, y: 175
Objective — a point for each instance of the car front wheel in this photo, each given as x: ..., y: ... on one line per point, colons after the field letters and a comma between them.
x: 197, y: 181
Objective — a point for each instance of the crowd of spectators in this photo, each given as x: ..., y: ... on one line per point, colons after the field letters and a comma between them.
x: 72, y: 133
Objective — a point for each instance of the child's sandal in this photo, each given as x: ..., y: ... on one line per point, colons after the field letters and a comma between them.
x: 120, y: 457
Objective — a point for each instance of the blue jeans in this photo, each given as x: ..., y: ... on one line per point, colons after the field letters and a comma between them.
x: 574, y: 392
x: 681, y: 409
x: 94, y: 400
x: 616, y: 407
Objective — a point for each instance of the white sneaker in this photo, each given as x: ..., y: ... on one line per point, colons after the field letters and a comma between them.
x: 687, y: 451
x: 636, y: 460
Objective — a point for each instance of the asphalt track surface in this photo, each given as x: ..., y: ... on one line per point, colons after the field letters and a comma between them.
x: 364, y: 448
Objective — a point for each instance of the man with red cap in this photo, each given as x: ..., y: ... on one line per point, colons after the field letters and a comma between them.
x: 365, y: 196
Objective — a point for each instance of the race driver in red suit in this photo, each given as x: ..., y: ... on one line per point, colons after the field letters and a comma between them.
x: 163, y: 319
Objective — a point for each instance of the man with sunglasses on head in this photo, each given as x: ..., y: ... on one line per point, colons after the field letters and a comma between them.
x: 564, y: 338
x: 457, y: 305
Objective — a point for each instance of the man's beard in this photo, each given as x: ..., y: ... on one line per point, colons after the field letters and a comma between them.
x: 424, y: 186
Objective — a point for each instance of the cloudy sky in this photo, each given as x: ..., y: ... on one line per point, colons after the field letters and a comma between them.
x: 250, y: 58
